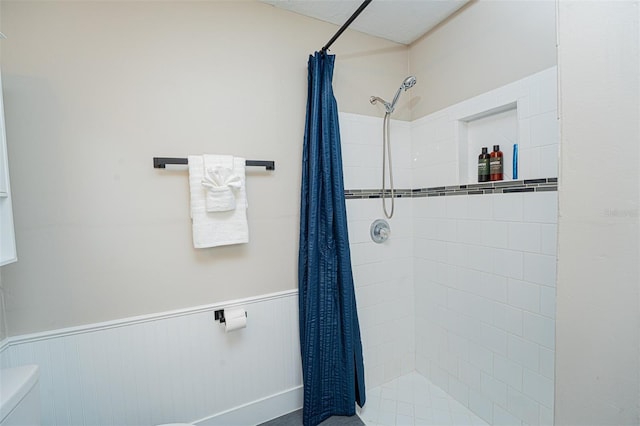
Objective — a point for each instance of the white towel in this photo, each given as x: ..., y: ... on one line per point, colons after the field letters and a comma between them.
x: 220, y: 185
x: 211, y: 229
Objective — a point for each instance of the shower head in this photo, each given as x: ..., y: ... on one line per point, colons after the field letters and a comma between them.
x: 409, y: 82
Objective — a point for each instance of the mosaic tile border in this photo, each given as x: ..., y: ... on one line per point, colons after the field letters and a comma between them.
x: 498, y: 187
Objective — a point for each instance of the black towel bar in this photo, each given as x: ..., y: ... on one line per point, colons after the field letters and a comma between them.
x: 161, y: 162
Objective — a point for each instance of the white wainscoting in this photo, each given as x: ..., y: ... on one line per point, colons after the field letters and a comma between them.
x: 178, y: 366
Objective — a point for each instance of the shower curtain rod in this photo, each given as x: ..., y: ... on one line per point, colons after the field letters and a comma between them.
x: 353, y: 17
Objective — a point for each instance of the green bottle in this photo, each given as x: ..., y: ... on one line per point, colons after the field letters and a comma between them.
x: 483, y: 166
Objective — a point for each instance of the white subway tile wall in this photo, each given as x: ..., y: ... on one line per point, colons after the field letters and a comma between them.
x: 383, y: 273
x: 361, y: 138
x: 383, y: 276
x: 493, y: 302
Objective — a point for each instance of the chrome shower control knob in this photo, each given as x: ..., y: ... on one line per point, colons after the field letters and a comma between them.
x: 380, y: 231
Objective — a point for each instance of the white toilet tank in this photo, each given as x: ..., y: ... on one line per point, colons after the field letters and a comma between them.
x: 19, y: 396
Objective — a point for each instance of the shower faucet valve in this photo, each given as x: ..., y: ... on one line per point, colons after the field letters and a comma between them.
x: 380, y: 231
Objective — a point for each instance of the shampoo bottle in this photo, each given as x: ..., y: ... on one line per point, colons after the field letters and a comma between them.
x: 515, y: 161
x: 483, y: 165
x: 495, y: 164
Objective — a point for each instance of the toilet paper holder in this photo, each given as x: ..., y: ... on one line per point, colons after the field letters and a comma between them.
x: 219, y: 315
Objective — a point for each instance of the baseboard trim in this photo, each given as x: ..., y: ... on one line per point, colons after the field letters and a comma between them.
x: 259, y: 411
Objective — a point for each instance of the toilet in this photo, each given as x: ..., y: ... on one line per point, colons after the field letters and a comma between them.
x: 20, y: 396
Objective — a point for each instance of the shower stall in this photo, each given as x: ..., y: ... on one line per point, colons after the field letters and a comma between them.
x: 463, y: 290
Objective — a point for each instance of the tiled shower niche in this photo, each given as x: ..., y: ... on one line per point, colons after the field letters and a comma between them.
x: 498, y: 126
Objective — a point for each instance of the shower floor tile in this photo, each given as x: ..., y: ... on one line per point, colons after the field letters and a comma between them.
x: 412, y: 400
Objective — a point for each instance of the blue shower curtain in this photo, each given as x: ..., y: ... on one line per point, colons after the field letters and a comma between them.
x: 332, y: 366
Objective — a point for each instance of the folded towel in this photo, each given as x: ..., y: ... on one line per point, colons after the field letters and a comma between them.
x: 220, y: 184
x: 211, y: 229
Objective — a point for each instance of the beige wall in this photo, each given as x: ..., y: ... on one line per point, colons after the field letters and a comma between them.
x: 598, y: 312
x: 487, y: 44
x: 94, y: 90
x: 3, y: 321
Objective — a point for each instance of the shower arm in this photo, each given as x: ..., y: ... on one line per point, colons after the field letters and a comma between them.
x: 387, y: 106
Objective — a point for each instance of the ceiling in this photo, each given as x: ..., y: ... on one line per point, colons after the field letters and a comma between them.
x: 402, y: 21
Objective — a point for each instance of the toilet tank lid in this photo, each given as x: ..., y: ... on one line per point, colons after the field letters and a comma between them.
x: 15, y: 383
